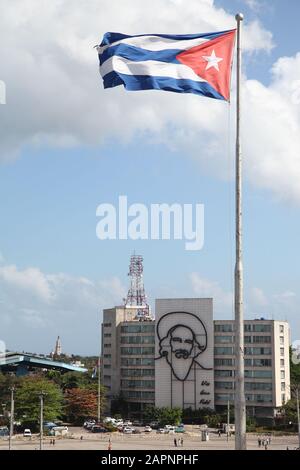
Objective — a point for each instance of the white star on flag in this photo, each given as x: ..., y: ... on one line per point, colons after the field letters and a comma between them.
x: 212, y: 61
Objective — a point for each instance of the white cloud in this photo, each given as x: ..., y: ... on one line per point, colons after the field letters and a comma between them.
x: 37, y: 307
x: 223, y: 301
x: 258, y: 297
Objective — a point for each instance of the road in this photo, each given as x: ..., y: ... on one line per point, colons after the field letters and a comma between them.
x: 152, y: 441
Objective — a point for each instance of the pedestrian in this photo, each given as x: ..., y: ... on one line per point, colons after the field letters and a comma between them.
x: 109, y: 445
x: 259, y: 441
x: 81, y: 438
x: 175, y: 442
x: 53, y: 441
x: 266, y: 445
x: 219, y: 432
x: 181, y: 440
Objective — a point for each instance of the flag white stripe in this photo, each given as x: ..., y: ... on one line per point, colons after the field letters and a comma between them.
x: 156, y: 43
x: 148, y: 67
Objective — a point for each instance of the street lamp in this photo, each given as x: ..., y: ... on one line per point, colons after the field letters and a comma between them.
x: 12, y: 409
x: 41, y: 396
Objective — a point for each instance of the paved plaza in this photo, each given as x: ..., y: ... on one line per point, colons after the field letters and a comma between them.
x: 153, y: 441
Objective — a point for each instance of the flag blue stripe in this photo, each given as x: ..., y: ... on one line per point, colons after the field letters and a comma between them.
x: 111, y: 37
x: 139, y: 55
x: 143, y: 82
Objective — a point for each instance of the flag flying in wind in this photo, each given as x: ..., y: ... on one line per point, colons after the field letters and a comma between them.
x: 191, y: 63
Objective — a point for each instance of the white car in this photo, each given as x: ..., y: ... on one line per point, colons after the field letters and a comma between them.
x: 27, y: 433
x: 148, y: 429
x: 127, y: 430
x: 162, y: 431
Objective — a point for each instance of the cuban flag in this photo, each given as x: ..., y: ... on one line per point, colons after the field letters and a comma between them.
x: 192, y: 63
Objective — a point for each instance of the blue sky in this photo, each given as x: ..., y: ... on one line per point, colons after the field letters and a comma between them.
x: 58, y: 163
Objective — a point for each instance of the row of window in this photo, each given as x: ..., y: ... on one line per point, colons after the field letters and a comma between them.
x: 136, y: 351
x: 254, y: 398
x: 138, y: 328
x: 107, y: 324
x: 137, y: 361
x: 137, y: 384
x: 248, y: 362
x: 247, y: 339
x: 137, y: 339
x: 249, y: 374
x: 137, y: 372
x: 257, y: 328
x: 249, y: 386
x: 228, y: 351
x: 139, y: 394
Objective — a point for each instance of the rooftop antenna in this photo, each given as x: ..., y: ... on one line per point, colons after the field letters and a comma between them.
x: 136, y: 296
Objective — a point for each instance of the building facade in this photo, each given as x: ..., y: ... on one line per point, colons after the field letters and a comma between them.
x: 185, y: 358
x: 128, y: 349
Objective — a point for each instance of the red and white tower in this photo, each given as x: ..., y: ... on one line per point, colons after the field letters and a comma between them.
x: 136, y: 297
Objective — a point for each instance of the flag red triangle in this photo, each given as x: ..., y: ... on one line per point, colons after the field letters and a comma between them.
x: 212, y: 61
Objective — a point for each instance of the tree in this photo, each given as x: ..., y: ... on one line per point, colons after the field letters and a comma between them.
x: 163, y: 415
x: 27, y: 402
x: 81, y: 403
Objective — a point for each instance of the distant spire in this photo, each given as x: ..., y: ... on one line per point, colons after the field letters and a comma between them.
x: 57, y: 350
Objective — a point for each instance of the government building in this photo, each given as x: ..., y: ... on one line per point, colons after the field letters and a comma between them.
x: 184, y: 358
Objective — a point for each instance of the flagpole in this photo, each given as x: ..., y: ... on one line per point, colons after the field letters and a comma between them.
x: 99, y: 383
x: 240, y: 406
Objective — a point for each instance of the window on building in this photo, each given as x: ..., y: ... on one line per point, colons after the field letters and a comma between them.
x: 247, y: 339
x: 224, y: 362
x: 261, y: 339
x: 225, y: 328
x: 138, y: 328
x: 247, y: 327
x: 262, y: 362
x: 283, y: 398
x: 223, y: 339
x: 107, y: 335
x: 107, y: 377
x: 225, y: 385
x: 281, y: 328
x: 258, y: 351
x: 107, y: 325
x: 224, y: 373
x: 282, y: 374
x: 263, y: 398
x: 282, y: 362
x: 224, y: 397
x: 258, y: 374
x: 107, y: 356
x: 137, y: 339
x: 106, y: 366
x: 281, y: 339
x: 223, y: 351
x: 281, y: 351
x: 258, y: 386
x: 107, y: 345
x: 283, y: 386
x: 258, y: 328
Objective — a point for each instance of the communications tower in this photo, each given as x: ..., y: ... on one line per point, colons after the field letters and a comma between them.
x: 136, y: 296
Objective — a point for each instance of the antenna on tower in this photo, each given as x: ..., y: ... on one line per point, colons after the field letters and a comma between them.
x: 136, y: 296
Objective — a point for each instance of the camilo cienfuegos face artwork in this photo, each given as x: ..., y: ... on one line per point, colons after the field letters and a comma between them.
x: 182, y: 339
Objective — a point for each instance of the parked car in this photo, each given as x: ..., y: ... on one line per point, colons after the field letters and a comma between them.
x: 97, y: 429
x: 148, y: 429
x: 136, y: 431
x: 27, y: 433
x: 4, y: 431
x: 154, y: 424
x: 127, y: 430
x: 162, y: 431
x: 180, y: 429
